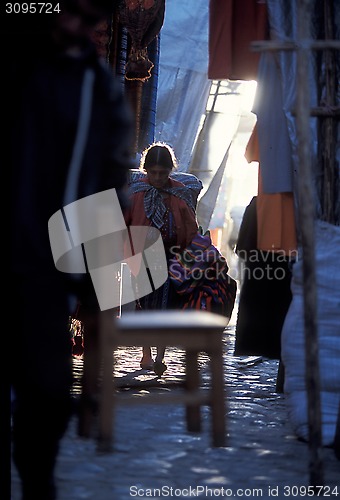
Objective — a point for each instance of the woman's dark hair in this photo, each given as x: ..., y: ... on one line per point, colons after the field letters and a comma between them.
x: 158, y: 153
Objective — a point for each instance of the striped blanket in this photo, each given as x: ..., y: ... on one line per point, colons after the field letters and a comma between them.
x: 200, y: 276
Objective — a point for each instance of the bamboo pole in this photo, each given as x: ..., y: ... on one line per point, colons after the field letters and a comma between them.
x: 306, y: 216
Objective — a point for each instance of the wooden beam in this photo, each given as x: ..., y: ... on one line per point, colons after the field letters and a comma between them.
x: 306, y: 216
x: 305, y: 44
x: 323, y: 111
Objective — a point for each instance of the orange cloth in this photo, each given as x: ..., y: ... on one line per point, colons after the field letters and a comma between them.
x: 276, y: 228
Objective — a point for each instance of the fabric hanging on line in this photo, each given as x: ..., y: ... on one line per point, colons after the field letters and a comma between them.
x: 233, y: 25
x: 275, y: 212
x: 230, y: 28
x: 149, y: 99
x: 274, y: 142
x: 276, y: 223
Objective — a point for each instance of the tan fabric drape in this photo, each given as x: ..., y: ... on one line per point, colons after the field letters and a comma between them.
x: 276, y: 222
x: 276, y: 229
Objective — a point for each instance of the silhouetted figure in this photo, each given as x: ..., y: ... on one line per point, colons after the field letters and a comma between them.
x: 53, y: 75
x: 160, y: 201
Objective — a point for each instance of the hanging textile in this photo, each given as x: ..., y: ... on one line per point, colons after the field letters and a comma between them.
x: 275, y: 212
x: 143, y: 20
x: 272, y: 125
x: 233, y: 25
x: 149, y: 99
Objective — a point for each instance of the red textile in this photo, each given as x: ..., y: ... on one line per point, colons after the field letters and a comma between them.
x: 233, y: 25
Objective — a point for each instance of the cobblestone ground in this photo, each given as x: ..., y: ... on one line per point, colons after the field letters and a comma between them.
x: 155, y: 457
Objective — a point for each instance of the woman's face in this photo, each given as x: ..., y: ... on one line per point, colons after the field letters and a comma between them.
x: 158, y: 176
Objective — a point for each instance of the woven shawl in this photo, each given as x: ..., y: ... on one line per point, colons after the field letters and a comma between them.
x: 153, y: 201
x: 200, y: 273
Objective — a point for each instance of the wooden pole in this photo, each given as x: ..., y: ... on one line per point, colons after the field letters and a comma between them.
x: 306, y: 215
x: 134, y: 91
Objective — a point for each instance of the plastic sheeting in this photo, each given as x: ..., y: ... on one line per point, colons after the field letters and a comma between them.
x: 327, y: 256
x: 183, y: 85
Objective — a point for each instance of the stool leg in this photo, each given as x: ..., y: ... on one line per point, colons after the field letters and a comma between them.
x: 218, y: 407
x: 107, y: 328
x: 193, y: 411
x: 280, y: 379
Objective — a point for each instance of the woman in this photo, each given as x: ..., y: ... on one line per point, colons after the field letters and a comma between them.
x: 169, y: 205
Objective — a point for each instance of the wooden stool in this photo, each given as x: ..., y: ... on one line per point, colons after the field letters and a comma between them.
x: 194, y: 331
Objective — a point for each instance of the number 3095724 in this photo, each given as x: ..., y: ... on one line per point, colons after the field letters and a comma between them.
x: 31, y: 8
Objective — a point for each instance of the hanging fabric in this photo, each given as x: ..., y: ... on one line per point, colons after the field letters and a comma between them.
x: 143, y: 20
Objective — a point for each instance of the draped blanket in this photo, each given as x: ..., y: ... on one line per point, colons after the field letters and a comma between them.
x: 153, y: 202
x: 200, y: 276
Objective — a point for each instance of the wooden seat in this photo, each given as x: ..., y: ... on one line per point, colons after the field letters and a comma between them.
x: 194, y: 331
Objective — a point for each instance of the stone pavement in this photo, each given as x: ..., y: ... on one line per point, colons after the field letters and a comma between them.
x: 155, y: 457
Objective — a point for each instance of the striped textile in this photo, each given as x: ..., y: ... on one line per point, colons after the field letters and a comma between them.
x: 190, y: 181
x: 154, y: 206
x: 200, y: 276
